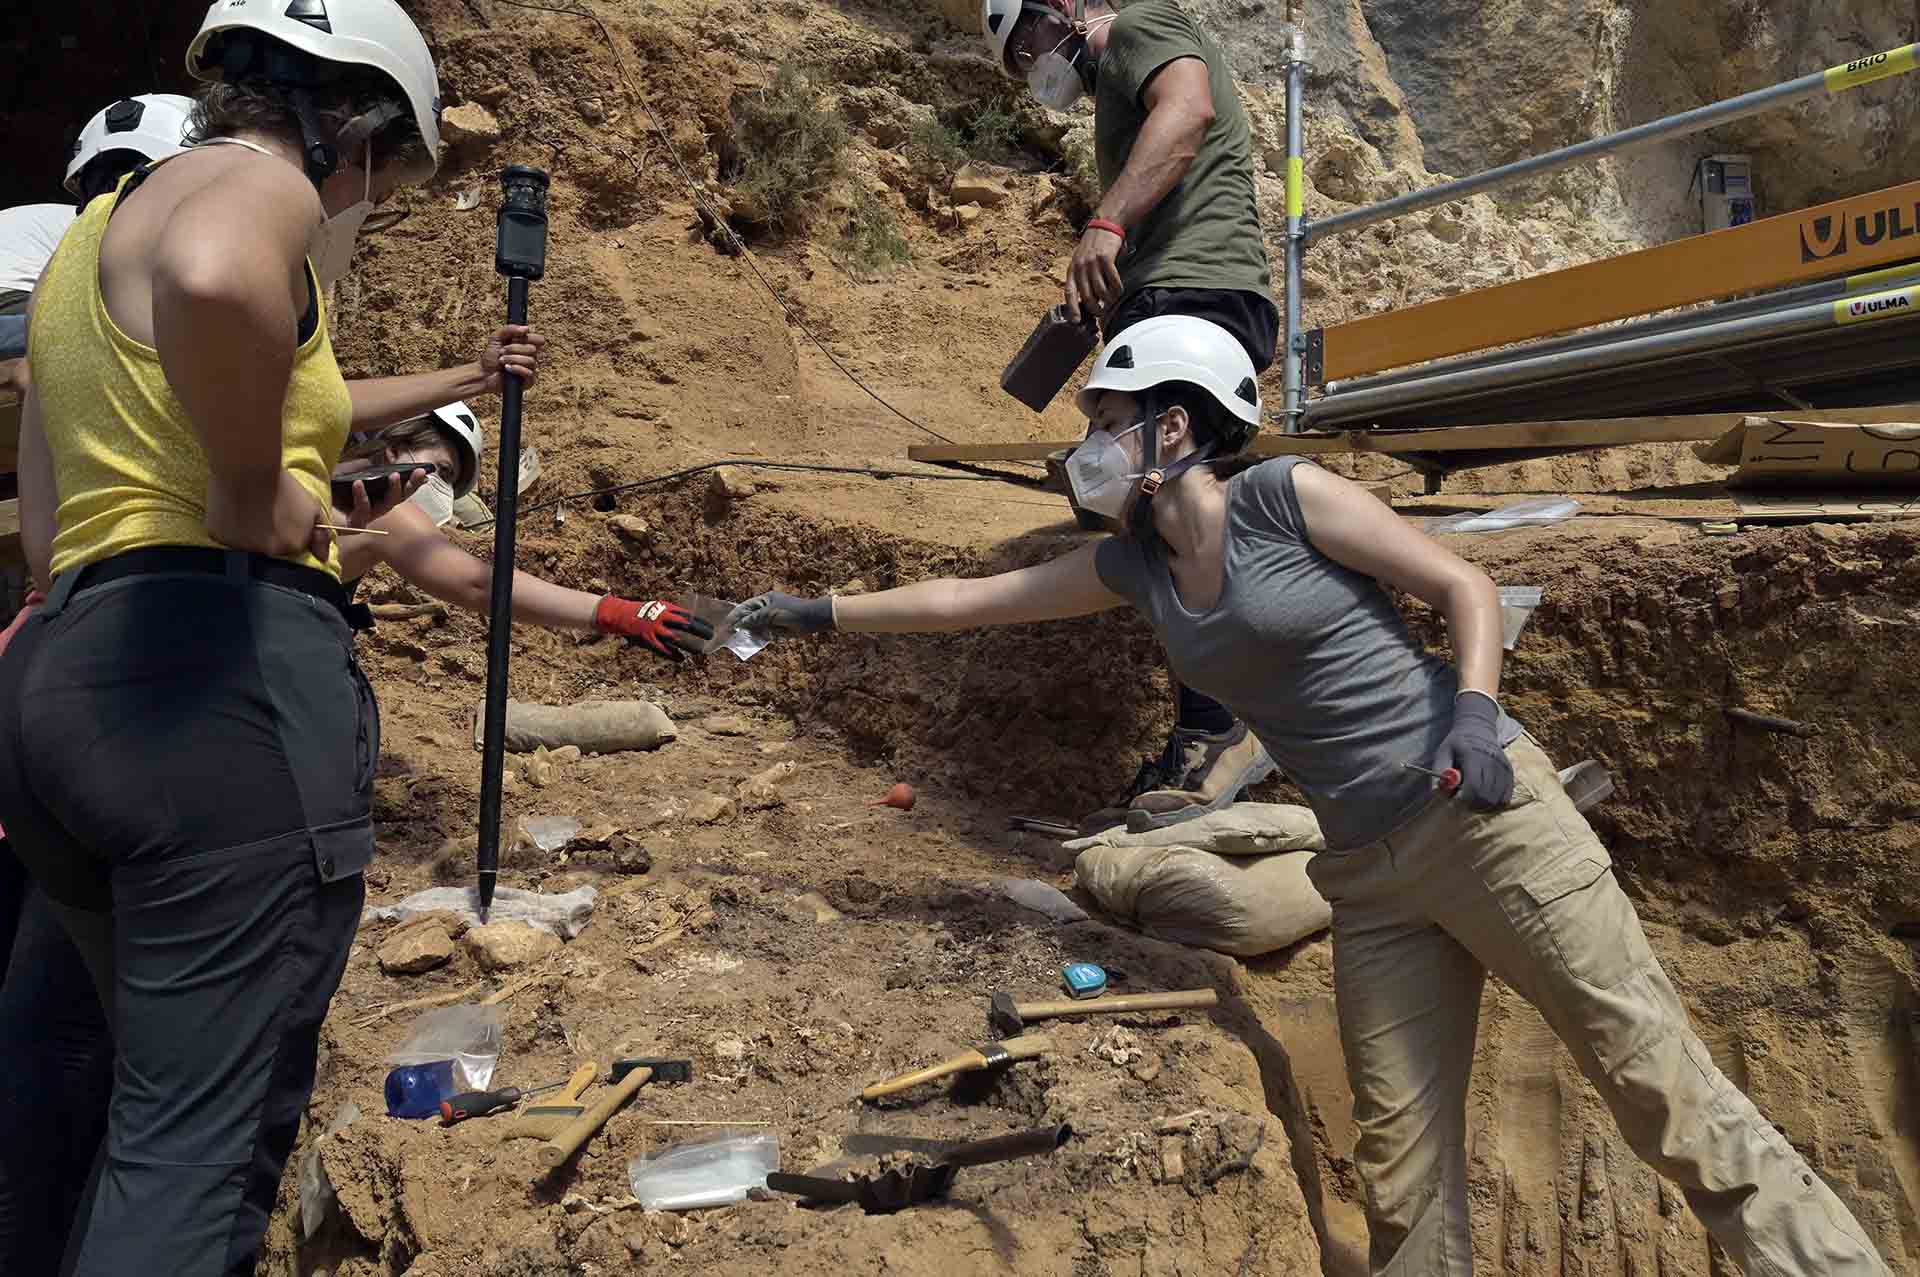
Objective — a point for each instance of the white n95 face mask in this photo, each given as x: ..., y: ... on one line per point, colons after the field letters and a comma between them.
x: 330, y: 247
x: 1054, y: 82
x: 436, y: 498
x: 1100, y: 474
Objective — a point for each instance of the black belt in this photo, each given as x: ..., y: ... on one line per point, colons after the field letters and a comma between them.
x: 210, y: 562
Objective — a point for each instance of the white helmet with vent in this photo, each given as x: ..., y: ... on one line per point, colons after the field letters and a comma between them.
x: 376, y: 34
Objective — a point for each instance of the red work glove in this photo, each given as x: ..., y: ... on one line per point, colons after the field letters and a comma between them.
x: 664, y: 627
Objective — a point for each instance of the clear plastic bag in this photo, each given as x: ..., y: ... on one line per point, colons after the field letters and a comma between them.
x: 1516, y: 606
x: 742, y: 643
x: 565, y: 914
x: 1533, y: 512
x: 707, y: 1173
x: 467, y: 1035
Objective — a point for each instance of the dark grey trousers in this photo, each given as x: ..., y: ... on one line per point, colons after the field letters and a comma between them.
x: 186, y: 768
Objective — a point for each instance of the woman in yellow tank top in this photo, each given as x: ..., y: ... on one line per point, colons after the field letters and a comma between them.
x: 186, y: 742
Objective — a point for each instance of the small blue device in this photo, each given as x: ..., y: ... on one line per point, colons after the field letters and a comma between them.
x: 1084, y: 979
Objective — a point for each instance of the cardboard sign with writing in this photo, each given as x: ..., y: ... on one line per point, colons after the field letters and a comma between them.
x: 1814, y: 468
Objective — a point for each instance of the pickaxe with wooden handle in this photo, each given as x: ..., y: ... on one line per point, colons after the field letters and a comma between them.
x: 1006, y: 1017
x: 993, y: 1055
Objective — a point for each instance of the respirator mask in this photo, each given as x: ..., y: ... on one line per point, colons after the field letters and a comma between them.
x: 1100, y: 473
x: 1059, y: 77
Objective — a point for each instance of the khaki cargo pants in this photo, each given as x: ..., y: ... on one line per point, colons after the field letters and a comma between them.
x: 1528, y: 893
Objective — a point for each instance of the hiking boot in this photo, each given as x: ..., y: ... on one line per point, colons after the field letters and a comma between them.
x: 1202, y: 773
x: 1148, y: 778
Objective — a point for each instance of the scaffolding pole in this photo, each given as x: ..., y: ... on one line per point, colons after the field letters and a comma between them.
x: 1851, y: 286
x: 1294, y: 341
x: 1360, y: 405
x: 1834, y: 80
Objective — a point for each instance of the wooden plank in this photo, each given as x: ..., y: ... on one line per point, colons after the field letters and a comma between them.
x: 1847, y: 235
x: 1601, y: 432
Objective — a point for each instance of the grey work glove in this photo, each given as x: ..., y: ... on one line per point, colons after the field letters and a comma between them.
x: 783, y: 614
x: 1472, y: 746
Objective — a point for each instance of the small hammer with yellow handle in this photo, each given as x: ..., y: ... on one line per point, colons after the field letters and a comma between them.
x: 991, y: 1056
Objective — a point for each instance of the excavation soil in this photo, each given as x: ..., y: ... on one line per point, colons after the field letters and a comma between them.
x: 797, y: 943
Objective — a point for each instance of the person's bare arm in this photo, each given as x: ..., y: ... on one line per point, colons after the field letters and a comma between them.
x: 382, y: 401
x: 227, y: 269
x: 1353, y: 528
x: 1050, y: 591
x: 1180, y: 110
x: 425, y: 558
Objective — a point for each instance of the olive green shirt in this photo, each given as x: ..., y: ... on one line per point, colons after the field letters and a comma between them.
x: 1206, y: 232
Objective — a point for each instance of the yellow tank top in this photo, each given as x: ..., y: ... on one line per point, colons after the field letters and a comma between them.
x: 130, y: 469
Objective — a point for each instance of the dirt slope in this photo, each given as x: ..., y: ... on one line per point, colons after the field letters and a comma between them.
x: 797, y: 951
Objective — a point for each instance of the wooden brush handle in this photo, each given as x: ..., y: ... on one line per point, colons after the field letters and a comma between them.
x: 1025, y: 1047
x: 1180, y: 1000
x: 582, y: 1128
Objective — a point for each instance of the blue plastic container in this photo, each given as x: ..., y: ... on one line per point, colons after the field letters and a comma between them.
x: 415, y: 1090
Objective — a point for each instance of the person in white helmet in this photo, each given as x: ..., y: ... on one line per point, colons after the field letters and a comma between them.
x: 1451, y: 848
x: 448, y: 441
x: 1177, y: 232
x: 189, y: 741
x: 119, y: 137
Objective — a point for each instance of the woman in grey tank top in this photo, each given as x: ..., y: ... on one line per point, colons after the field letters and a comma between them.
x: 1452, y: 849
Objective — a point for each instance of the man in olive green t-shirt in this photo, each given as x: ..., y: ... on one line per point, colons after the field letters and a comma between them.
x: 1176, y: 233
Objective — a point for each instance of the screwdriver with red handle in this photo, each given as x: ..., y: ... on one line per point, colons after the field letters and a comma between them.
x: 458, y: 1108
x: 1449, y: 779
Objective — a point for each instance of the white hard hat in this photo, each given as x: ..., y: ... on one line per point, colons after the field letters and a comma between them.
x: 998, y: 18
x: 458, y: 420
x: 153, y: 124
x: 370, y: 33
x: 1180, y: 348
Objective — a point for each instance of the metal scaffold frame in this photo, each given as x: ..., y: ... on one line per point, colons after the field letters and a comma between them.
x: 1301, y: 233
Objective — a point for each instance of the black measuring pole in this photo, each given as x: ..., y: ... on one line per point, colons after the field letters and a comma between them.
x: 519, y: 253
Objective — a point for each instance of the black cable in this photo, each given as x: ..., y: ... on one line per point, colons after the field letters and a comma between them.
x: 739, y: 245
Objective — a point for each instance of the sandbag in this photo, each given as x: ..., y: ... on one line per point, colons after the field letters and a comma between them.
x: 1242, y: 829
x: 597, y: 727
x: 1245, y: 905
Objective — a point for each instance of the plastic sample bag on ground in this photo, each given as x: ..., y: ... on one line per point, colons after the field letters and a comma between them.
x: 707, y: 1173
x: 1234, y: 880
x: 467, y: 1035
x: 565, y: 914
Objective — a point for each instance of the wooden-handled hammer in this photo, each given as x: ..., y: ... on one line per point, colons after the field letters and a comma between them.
x: 991, y: 1056
x: 628, y: 1076
x: 1006, y: 1017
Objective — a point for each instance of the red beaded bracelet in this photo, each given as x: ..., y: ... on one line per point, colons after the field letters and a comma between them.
x: 1102, y: 224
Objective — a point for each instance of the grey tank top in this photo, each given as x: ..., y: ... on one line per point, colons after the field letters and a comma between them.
x: 1313, y: 657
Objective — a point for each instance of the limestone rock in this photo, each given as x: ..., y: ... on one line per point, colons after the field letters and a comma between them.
x: 971, y: 185
x: 508, y: 946
x: 469, y: 124
x: 415, y: 948
x: 632, y: 529
x: 709, y: 809
x: 761, y: 790
x: 727, y: 725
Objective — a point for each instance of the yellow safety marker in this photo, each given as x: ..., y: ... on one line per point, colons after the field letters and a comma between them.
x: 1897, y: 304
x: 1887, y: 276
x: 1880, y: 66
x: 1296, y: 186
